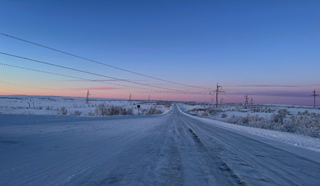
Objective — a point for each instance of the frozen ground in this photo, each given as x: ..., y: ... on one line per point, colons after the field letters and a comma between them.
x: 171, y: 149
x: 240, y: 110
x: 286, y: 118
x: 49, y: 105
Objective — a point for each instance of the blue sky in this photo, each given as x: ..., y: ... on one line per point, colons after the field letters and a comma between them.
x: 273, y: 44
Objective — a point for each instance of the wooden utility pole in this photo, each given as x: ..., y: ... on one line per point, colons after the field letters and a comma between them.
x: 314, y: 98
x: 88, y: 93
x: 217, y: 91
x: 247, y: 100
x: 130, y: 98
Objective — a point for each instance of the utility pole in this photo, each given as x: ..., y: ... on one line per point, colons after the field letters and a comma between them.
x: 88, y: 93
x: 217, y: 91
x: 251, y: 101
x: 247, y: 100
x: 314, y: 98
x: 130, y: 98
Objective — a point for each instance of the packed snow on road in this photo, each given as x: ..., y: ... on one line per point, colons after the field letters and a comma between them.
x: 174, y: 148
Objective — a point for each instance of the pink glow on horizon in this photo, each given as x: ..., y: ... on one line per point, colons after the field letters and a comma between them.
x: 299, y: 97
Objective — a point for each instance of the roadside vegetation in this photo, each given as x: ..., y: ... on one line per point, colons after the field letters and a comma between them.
x: 63, y: 106
x: 278, y: 118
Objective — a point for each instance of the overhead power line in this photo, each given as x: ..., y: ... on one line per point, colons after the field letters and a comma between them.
x: 87, y: 72
x: 100, y: 63
x: 80, y: 78
x: 85, y: 79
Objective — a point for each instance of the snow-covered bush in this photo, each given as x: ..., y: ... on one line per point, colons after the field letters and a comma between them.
x: 104, y: 110
x: 62, y: 111
x: 143, y: 111
x: 224, y: 115
x: 77, y: 113
x: 205, y: 111
x: 167, y: 104
x: 213, y: 111
x: 48, y: 108
x: 283, y: 112
x: 91, y: 113
x: 205, y: 114
x: 306, y: 123
x: 153, y: 110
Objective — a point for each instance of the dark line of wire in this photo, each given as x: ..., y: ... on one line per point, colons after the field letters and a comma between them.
x: 82, y: 71
x: 100, y: 63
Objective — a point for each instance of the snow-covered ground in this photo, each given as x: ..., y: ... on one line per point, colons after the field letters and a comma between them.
x: 241, y: 110
x: 288, y: 118
x: 48, y: 105
x: 171, y: 149
x: 283, y: 137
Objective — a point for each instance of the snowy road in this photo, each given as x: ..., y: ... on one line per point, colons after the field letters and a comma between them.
x: 173, y: 149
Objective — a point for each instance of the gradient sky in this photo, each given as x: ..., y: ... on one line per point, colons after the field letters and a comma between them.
x: 266, y: 49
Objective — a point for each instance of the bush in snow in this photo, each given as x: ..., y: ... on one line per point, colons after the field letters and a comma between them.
x: 152, y: 111
x: 143, y: 111
x: 104, y: 110
x: 224, y: 115
x: 77, y: 113
x: 301, y: 124
x: 205, y: 111
x: 283, y: 112
x: 167, y: 104
x: 63, y: 111
x: 91, y: 113
x: 205, y: 114
x: 49, y: 108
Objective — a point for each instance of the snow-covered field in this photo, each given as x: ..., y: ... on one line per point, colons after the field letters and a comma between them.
x: 170, y: 149
x: 46, y: 105
x: 287, y: 118
x: 40, y: 146
x: 257, y: 109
